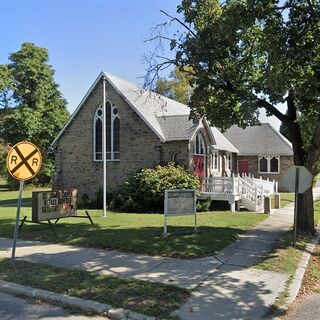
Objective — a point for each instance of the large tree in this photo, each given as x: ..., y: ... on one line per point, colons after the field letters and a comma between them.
x: 248, y: 55
x: 33, y: 108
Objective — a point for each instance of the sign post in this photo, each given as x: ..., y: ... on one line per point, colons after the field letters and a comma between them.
x: 23, y: 163
x: 296, y: 197
x: 179, y: 203
x: 297, y: 179
x: 16, y: 228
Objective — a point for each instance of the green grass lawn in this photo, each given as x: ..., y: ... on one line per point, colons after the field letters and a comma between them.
x: 139, y: 233
x: 150, y: 298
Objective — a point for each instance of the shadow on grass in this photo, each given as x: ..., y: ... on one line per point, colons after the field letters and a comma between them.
x: 150, y: 298
x: 4, y: 185
x: 11, y: 203
x: 182, y: 243
x: 148, y: 239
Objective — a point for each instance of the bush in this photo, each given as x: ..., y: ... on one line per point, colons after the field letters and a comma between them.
x: 144, y: 191
x: 203, y: 205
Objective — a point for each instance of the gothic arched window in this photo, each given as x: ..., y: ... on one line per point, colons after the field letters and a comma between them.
x: 112, y: 133
x: 199, y: 147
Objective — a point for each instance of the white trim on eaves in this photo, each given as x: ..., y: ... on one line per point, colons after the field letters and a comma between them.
x: 77, y: 110
x: 101, y: 75
x: 161, y: 137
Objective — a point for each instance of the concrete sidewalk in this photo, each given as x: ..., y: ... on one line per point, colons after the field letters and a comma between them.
x: 227, y: 285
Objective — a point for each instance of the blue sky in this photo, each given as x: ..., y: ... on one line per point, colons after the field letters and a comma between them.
x: 84, y: 37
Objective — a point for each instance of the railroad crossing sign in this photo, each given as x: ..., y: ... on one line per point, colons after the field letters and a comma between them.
x: 24, y: 161
x: 300, y: 175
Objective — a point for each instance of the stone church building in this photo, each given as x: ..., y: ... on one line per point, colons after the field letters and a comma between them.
x: 145, y: 129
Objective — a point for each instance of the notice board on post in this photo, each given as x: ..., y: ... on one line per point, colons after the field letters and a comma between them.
x: 47, y: 205
x: 179, y: 203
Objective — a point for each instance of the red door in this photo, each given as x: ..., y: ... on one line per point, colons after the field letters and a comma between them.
x: 198, y: 162
x: 243, y: 166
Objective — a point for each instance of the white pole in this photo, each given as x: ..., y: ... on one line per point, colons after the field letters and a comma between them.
x: 104, y: 159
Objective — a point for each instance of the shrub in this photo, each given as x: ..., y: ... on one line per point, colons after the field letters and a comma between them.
x: 144, y: 191
x: 203, y: 205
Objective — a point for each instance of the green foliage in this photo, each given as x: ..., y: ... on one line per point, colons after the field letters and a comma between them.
x: 6, y: 86
x: 3, y: 159
x: 177, y: 86
x: 144, y: 191
x: 250, y: 55
x: 33, y: 107
x: 203, y: 205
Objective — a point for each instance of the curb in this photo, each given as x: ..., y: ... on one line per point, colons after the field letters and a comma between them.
x: 72, y: 302
x: 301, y: 269
x: 295, y: 284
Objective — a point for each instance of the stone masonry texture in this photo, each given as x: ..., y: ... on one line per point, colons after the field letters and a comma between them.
x: 139, y: 148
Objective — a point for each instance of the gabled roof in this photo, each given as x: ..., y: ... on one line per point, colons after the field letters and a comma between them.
x: 148, y: 105
x: 259, y: 140
x: 222, y: 143
x: 177, y: 127
x: 167, y: 118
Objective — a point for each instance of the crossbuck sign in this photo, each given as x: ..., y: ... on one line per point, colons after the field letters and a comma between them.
x: 179, y: 203
x: 23, y: 163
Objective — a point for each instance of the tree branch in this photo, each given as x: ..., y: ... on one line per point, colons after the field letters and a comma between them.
x: 158, y: 37
x: 179, y: 21
x: 273, y: 110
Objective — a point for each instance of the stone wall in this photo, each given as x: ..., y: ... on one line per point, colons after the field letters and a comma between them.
x: 139, y: 148
x: 285, y: 163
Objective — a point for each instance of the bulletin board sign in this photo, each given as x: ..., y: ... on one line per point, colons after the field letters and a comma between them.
x: 179, y: 203
x: 48, y: 205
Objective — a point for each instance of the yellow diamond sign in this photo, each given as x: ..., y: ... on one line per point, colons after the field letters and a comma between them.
x: 24, y: 160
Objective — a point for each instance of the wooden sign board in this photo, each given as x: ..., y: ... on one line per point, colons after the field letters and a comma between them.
x: 47, y: 205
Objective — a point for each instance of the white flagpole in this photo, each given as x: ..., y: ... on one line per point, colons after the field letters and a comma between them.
x: 104, y: 159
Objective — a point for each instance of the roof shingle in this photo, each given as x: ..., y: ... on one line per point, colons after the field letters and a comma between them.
x: 177, y: 127
x: 263, y: 140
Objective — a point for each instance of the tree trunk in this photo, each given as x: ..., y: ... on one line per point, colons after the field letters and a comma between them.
x: 305, y: 219
x: 305, y: 214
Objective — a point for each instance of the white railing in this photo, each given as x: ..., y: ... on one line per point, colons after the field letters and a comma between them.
x: 219, y: 185
x: 252, y: 192
x: 269, y: 186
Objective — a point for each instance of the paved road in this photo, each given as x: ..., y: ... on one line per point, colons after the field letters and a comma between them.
x: 307, y: 309
x: 13, y: 308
